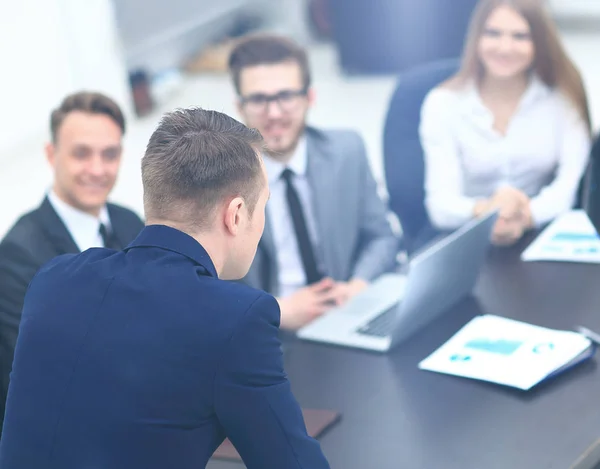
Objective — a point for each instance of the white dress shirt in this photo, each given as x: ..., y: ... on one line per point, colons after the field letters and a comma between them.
x: 544, y: 153
x: 289, y: 262
x: 83, y: 227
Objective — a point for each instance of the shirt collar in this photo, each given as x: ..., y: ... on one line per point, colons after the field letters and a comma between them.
x: 536, y: 90
x: 75, y: 219
x: 298, y: 163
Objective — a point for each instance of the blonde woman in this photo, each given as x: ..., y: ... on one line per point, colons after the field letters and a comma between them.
x: 511, y: 130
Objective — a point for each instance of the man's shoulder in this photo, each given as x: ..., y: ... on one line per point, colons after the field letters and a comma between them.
x: 240, y: 296
x: 73, y: 262
x: 233, y: 304
x: 25, y: 233
x: 335, y: 137
x: 342, y: 147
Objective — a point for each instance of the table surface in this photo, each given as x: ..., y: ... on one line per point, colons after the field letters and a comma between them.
x: 397, y: 416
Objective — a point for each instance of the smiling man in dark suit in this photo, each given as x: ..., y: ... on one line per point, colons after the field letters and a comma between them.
x: 85, y: 154
x: 147, y: 358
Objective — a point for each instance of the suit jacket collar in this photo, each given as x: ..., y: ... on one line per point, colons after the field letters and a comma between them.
x: 324, y: 186
x: 120, y: 227
x: 55, y: 229
x: 171, y: 239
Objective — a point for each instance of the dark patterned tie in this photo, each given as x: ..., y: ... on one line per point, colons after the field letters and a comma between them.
x: 304, y: 244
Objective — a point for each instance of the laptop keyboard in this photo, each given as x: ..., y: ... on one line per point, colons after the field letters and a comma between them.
x: 380, y: 326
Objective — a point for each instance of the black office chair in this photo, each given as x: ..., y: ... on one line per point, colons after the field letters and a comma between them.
x: 591, y: 175
x: 590, y: 190
x: 403, y: 153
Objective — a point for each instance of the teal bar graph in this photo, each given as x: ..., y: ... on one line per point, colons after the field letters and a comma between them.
x: 499, y: 346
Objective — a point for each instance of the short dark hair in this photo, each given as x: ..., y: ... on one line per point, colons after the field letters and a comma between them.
x: 86, y: 101
x: 266, y: 49
x: 196, y: 158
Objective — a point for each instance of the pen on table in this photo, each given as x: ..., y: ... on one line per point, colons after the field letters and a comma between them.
x: 593, y: 336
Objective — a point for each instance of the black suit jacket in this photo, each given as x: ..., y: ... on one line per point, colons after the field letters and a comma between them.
x: 36, y: 238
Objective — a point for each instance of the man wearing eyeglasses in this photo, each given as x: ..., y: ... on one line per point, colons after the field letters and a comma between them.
x: 327, y: 234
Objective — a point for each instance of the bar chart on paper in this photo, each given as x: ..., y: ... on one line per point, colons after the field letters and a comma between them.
x: 569, y: 238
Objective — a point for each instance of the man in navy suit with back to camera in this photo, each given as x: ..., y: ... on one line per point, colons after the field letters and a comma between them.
x: 147, y: 358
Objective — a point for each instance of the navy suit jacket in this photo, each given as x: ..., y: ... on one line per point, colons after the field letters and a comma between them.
x: 144, y: 359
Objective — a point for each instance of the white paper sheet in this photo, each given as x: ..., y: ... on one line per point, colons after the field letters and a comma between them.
x: 569, y: 238
x: 504, y: 351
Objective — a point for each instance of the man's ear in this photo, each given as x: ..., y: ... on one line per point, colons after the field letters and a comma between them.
x: 233, y: 215
x: 50, y: 151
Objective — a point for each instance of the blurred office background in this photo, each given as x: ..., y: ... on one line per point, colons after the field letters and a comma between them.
x: 174, y: 52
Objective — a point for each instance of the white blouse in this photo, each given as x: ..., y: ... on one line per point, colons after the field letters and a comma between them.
x: 544, y: 153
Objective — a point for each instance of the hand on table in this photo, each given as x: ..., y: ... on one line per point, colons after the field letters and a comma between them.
x: 507, y: 231
x: 346, y: 290
x: 514, y: 214
x: 510, y: 202
x: 310, y: 302
x: 307, y: 304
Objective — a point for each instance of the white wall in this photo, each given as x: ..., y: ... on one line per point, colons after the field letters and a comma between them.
x: 34, y: 67
x: 170, y: 32
x: 287, y: 17
x: 575, y: 8
x: 49, y: 48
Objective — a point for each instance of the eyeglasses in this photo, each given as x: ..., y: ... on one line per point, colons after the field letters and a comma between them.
x: 287, y: 100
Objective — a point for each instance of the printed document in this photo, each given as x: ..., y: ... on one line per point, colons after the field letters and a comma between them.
x: 569, y: 238
x: 508, y: 352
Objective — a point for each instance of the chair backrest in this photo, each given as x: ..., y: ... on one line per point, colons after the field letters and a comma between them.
x: 402, y: 150
x: 589, y: 191
x: 588, y: 186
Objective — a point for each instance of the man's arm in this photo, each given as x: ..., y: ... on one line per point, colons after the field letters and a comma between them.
x: 378, y: 246
x: 253, y: 399
x: 17, y: 268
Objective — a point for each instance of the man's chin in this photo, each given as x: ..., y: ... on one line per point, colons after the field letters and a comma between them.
x: 91, y: 205
x: 279, y: 151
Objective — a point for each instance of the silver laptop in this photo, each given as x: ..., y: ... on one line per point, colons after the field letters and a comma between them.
x: 395, y: 306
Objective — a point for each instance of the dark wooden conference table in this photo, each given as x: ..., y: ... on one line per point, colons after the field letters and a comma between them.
x: 396, y: 416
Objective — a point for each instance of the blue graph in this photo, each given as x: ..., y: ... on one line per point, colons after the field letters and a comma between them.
x: 500, y: 346
x: 460, y: 358
x: 575, y: 237
x: 587, y: 250
x: 543, y: 348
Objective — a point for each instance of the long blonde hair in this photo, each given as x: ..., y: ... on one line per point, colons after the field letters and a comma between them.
x: 552, y: 64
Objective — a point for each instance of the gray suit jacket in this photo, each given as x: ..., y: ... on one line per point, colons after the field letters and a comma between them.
x: 356, y: 239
